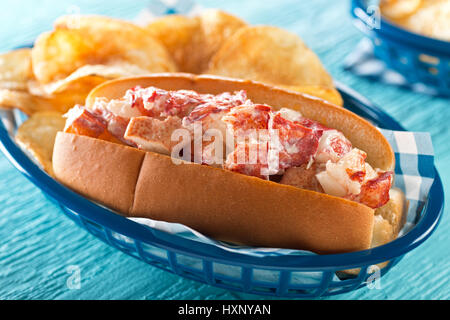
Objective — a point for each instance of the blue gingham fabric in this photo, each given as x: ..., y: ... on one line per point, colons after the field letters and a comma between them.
x: 414, y: 171
x: 362, y: 62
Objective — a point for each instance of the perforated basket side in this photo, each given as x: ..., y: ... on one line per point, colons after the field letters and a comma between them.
x: 290, y: 282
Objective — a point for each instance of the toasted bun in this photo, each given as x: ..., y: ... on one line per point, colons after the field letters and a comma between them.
x: 220, y: 203
x: 101, y: 171
x: 388, y: 221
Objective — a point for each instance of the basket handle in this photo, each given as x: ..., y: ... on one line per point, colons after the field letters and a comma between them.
x: 365, y: 17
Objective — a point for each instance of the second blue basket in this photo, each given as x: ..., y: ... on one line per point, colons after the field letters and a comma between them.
x: 421, y: 60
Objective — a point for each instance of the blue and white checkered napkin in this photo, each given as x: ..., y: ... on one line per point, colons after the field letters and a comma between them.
x: 414, y: 171
x: 362, y: 62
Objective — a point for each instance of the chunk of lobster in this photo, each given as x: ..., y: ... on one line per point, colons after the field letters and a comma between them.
x: 333, y: 145
x: 292, y: 143
x: 208, y: 128
x: 206, y: 120
x: 83, y: 122
x: 345, y: 177
x: 116, y: 124
x: 315, y: 126
x: 352, y: 178
x: 375, y: 192
x: 247, y: 117
x: 212, y: 106
x: 152, y: 134
x: 247, y: 125
x: 249, y: 159
x: 303, y: 177
x: 159, y: 103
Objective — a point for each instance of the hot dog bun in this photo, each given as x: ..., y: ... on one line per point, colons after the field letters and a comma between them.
x: 219, y: 203
x: 388, y: 221
x: 216, y: 202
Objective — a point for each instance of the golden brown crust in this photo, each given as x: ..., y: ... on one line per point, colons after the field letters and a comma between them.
x: 219, y: 203
x: 388, y: 221
x: 103, y: 171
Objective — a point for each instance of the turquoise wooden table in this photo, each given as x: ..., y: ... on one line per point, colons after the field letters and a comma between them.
x: 41, y: 251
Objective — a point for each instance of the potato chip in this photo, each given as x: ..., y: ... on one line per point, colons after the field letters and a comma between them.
x: 182, y: 38
x: 269, y: 54
x: 81, y: 39
x: 37, y: 136
x: 24, y: 101
x: 397, y: 9
x: 192, y: 41
x: 217, y: 26
x: 87, y: 75
x: 30, y: 104
x: 15, y: 69
x: 430, y: 18
x: 58, y: 53
x: 76, y: 87
x: 325, y: 93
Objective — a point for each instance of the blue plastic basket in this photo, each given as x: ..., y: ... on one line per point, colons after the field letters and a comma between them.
x: 421, y: 60
x: 283, y: 276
